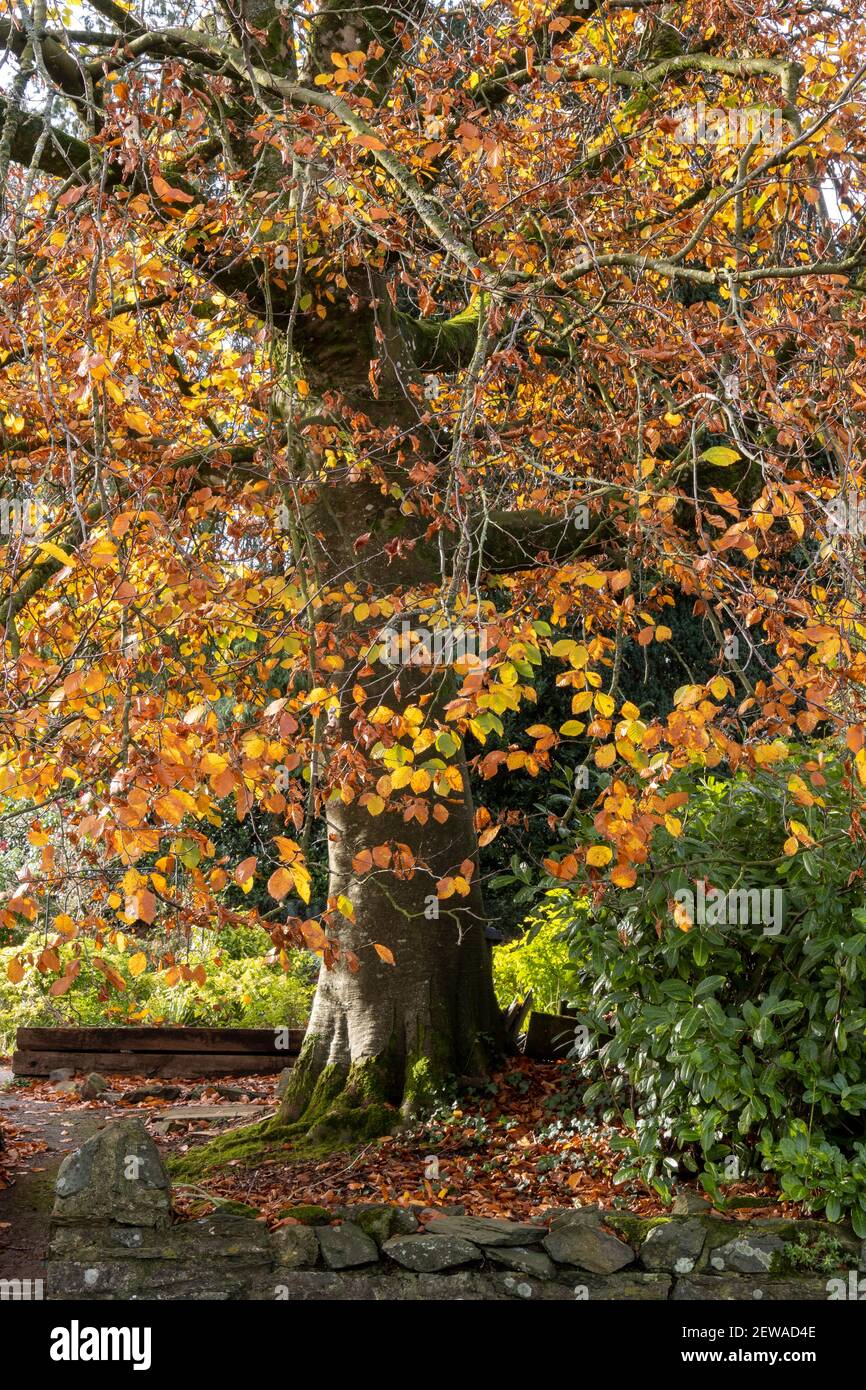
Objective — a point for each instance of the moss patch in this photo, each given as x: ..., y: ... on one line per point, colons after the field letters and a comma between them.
x: 424, y: 1084
x: 231, y: 1208
x: 251, y: 1144
x: 344, y: 1111
x: 631, y: 1227
x: 307, y: 1213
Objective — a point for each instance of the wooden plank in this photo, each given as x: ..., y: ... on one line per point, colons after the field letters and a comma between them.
x: 150, y: 1063
x: 549, y: 1036
x: 515, y: 1015
x: 223, y: 1040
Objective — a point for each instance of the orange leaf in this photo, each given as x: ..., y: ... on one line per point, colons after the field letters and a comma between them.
x: 168, y: 194
x: 279, y: 883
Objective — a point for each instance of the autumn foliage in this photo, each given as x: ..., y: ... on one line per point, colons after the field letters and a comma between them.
x: 311, y: 325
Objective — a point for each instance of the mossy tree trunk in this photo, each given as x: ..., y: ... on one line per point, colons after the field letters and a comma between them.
x: 382, y: 1036
x: 389, y: 1035
x: 390, y: 1025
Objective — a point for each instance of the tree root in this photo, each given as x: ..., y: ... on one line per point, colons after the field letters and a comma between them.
x: 326, y: 1109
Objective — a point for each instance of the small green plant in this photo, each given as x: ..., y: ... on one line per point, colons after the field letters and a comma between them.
x: 818, y: 1254
x: 820, y: 1174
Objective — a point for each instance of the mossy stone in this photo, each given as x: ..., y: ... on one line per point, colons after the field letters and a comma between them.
x: 308, y: 1214
x: 116, y: 1176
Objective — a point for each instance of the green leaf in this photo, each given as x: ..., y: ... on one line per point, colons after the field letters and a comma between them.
x: 720, y: 456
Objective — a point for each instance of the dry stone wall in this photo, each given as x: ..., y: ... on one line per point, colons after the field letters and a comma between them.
x: 114, y: 1237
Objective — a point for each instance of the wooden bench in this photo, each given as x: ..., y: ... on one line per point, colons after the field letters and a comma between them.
x: 156, y: 1051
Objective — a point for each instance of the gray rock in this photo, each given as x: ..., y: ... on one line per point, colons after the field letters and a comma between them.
x: 688, y: 1203
x: 295, y: 1247
x: 460, y: 1286
x: 673, y: 1247
x: 575, y: 1213
x: 712, y: 1288
x: 61, y: 1074
x: 344, y: 1247
x: 188, y: 1114
x: 92, y: 1086
x: 116, y: 1176
x: 429, y: 1254
x: 585, y: 1244
x: 376, y: 1219
x: 532, y: 1262
x: 406, y: 1222
x: 215, y: 1257
x: 584, y: 1288
x: 153, y: 1093
x: 67, y: 1088
x: 484, y: 1230
x: 283, y: 1080
x: 746, y: 1254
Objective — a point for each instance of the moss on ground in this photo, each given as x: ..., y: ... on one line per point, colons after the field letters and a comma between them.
x: 344, y: 1112
x: 252, y: 1144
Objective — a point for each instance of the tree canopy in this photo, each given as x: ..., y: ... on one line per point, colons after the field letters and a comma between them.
x: 520, y: 322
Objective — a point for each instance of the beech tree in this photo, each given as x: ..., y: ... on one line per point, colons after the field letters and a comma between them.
x: 357, y: 361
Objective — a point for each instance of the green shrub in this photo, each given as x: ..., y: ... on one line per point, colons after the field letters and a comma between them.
x: 722, y: 1047
x: 241, y: 989
x: 539, y: 960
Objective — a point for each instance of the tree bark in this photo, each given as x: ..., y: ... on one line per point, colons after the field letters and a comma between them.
x: 385, y: 1036
x: 387, y: 1029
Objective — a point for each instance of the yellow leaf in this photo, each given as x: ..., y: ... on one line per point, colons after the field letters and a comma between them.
x: 137, y: 964
x: 301, y: 879
x: 56, y: 553
x: 598, y: 856
x: 137, y: 420
x: 15, y: 971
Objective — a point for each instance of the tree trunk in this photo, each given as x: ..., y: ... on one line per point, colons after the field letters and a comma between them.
x: 384, y: 1037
